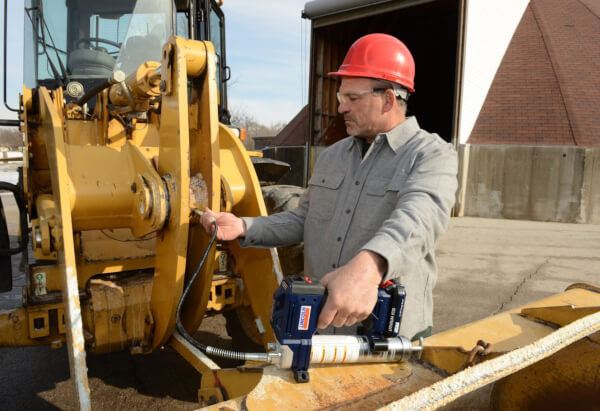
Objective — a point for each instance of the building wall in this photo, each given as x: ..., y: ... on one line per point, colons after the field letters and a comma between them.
x: 543, y: 183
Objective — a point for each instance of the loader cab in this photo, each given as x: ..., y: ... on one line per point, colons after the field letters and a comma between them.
x: 82, y: 42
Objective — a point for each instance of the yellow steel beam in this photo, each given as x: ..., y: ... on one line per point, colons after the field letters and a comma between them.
x: 14, y: 329
x: 184, y: 123
x: 203, y: 118
x: 197, y: 359
x: 52, y: 128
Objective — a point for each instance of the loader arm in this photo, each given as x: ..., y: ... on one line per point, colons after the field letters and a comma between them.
x: 212, y: 151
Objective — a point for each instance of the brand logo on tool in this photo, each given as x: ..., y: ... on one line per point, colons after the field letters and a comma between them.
x: 304, y: 317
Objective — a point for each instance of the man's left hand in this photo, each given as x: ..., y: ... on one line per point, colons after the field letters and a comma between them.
x: 352, y: 290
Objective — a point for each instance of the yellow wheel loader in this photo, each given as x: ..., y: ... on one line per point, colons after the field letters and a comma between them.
x: 124, y: 125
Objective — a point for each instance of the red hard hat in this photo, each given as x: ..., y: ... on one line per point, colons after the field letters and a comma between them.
x: 379, y: 56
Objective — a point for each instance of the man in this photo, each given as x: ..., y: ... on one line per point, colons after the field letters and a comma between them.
x: 376, y: 202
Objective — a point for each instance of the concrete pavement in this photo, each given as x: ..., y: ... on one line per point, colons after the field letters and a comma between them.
x: 487, y: 266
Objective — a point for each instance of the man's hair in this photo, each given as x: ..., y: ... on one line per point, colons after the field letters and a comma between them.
x: 400, y: 92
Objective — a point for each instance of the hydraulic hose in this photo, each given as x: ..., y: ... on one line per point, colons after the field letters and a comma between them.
x: 93, y: 91
x: 116, y: 77
x: 218, y: 352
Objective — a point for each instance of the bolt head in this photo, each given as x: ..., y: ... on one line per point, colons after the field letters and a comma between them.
x: 118, y: 76
x: 144, y: 202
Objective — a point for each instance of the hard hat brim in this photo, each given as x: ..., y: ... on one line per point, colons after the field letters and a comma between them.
x: 382, y: 76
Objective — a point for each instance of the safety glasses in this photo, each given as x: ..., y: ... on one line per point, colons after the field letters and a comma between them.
x: 352, y: 96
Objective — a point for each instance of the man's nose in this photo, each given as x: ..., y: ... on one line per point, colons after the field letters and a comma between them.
x: 342, y: 108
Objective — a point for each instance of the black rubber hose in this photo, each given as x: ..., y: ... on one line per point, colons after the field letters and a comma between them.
x: 93, y: 91
x: 218, y: 352
x: 187, y: 289
x: 22, y: 219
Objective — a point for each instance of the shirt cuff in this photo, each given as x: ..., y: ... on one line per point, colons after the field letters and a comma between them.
x: 386, y: 250
x: 250, y: 239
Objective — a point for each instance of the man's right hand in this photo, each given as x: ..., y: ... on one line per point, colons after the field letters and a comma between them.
x: 230, y: 226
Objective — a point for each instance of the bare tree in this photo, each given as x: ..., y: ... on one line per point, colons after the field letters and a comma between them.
x: 241, y: 118
x: 11, y: 137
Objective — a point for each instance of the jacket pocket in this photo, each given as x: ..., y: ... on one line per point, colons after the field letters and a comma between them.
x: 379, y: 201
x: 323, y: 194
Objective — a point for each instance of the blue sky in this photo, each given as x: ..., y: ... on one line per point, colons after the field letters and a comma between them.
x: 264, y: 49
x: 267, y: 50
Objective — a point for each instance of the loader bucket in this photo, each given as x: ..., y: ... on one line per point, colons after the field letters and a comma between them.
x: 545, y: 355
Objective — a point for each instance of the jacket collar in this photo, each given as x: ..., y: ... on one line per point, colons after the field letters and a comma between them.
x: 397, y: 136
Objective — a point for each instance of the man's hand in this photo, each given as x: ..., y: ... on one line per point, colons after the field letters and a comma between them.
x: 352, y: 290
x: 230, y: 226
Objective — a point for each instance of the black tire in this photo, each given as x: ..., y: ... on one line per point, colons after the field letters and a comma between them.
x: 244, y: 334
x: 279, y: 198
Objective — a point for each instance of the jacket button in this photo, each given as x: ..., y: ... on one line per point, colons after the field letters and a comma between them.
x: 348, y: 211
x: 332, y: 265
x: 356, y: 182
x: 339, y: 238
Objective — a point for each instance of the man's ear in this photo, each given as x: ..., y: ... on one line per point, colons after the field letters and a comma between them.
x: 389, y: 100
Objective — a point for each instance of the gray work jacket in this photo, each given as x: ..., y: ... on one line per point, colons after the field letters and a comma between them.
x: 395, y: 201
